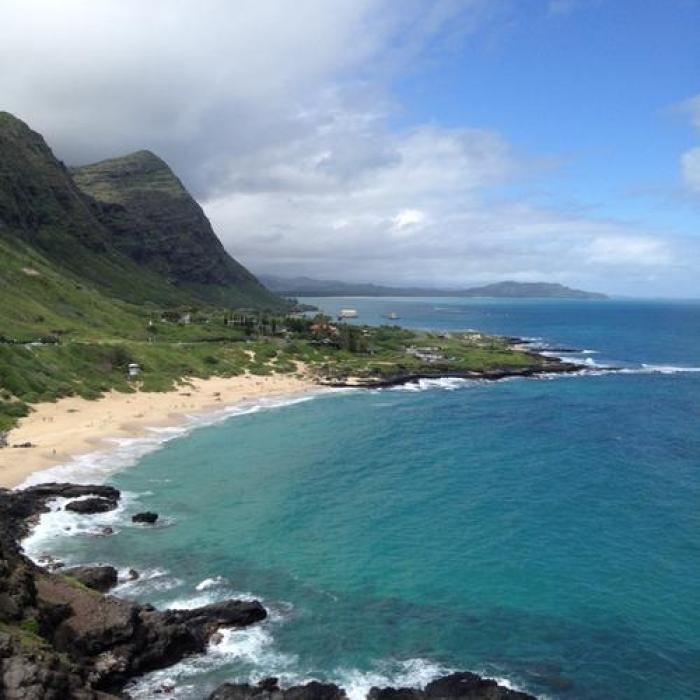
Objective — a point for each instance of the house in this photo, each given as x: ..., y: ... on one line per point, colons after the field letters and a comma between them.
x: 134, y: 369
x: 428, y: 355
x: 185, y: 319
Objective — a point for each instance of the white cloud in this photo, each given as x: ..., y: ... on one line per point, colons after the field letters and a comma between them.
x: 407, y: 219
x: 278, y: 115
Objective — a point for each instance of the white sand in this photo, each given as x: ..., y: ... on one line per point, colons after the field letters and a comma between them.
x: 74, y: 426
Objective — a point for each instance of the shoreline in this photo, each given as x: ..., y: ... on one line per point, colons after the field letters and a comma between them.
x: 72, y: 427
x: 62, y: 431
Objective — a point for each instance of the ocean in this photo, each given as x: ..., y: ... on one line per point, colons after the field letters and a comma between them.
x: 545, y: 532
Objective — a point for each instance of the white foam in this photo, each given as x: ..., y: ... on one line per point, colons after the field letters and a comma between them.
x: 59, y: 523
x: 251, y: 649
x: 668, y: 369
x: 253, y: 645
x: 210, y: 583
x: 411, y: 673
x: 149, y: 581
x: 444, y: 383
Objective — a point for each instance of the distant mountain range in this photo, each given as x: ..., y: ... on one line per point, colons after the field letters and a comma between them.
x: 305, y: 286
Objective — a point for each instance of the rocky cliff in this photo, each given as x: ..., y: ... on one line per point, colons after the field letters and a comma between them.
x: 156, y: 222
x: 60, y: 639
x: 130, y: 229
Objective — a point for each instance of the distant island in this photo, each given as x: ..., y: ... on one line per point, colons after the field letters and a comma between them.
x: 306, y: 286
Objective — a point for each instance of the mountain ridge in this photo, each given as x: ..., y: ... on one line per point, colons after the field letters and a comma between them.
x: 147, y: 242
x: 306, y: 286
x: 158, y: 224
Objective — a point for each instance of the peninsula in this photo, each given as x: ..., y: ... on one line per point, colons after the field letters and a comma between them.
x: 120, y: 310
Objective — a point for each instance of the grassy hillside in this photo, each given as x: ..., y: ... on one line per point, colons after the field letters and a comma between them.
x: 127, y: 269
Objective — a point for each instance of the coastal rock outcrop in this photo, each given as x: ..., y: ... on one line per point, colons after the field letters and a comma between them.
x: 269, y: 689
x: 89, y: 506
x: 61, y: 639
x: 456, y: 686
x: 148, y: 517
x: 99, y: 578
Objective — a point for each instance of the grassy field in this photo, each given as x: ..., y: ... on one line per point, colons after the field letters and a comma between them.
x: 91, y: 360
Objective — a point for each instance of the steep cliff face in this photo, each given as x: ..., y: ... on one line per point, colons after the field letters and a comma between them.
x: 43, y: 211
x: 127, y: 226
x: 155, y: 221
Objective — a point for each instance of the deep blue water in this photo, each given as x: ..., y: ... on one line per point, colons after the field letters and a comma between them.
x: 541, y: 531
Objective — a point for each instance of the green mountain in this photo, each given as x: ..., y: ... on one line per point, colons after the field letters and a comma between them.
x: 305, y: 286
x: 156, y: 223
x: 116, y: 248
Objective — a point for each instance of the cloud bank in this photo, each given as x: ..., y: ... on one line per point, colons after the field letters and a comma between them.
x: 279, y: 117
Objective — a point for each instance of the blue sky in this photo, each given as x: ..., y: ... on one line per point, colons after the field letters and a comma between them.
x: 431, y: 142
x: 594, y: 84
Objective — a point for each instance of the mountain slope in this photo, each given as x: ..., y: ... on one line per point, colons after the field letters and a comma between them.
x: 41, y: 208
x: 140, y: 239
x: 156, y: 222
x: 305, y: 286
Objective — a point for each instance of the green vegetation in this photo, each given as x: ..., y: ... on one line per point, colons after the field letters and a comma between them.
x: 30, y: 625
x: 28, y: 638
x: 80, y: 586
x: 222, y: 343
x: 115, y: 264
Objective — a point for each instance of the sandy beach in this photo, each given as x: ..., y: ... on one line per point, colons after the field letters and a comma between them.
x: 73, y: 426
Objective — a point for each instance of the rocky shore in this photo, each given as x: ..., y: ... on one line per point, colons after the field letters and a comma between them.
x: 542, y: 367
x: 62, y: 637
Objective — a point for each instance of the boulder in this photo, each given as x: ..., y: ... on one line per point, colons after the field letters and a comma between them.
x: 100, y: 578
x: 92, y: 505
x: 456, y: 686
x: 147, y: 517
x: 269, y: 689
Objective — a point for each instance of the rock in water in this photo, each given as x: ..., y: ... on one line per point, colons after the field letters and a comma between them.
x: 92, y: 505
x: 59, y: 640
x: 268, y: 689
x: 100, y: 578
x: 147, y: 517
x: 456, y: 686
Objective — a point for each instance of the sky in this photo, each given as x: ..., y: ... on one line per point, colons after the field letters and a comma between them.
x: 433, y: 142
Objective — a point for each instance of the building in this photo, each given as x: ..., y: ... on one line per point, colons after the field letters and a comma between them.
x: 428, y: 355
x: 134, y: 369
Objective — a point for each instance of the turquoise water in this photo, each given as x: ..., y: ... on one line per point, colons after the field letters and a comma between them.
x: 541, y: 531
